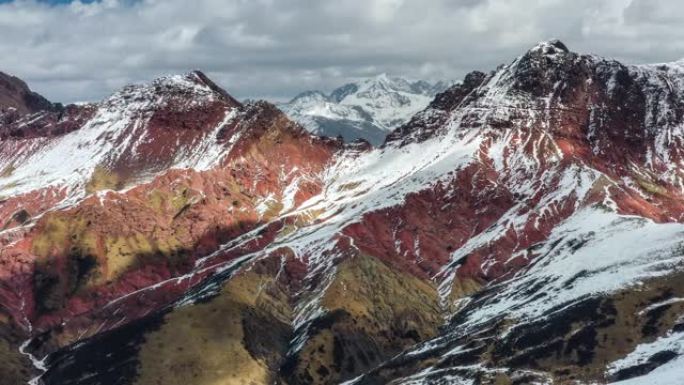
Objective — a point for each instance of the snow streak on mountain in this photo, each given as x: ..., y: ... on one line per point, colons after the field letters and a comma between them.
x: 525, y: 226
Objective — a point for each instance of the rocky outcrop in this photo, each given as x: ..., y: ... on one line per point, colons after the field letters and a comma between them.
x: 17, y: 99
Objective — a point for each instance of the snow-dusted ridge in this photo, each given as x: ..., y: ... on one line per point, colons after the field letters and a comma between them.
x: 618, y: 252
x: 117, y: 129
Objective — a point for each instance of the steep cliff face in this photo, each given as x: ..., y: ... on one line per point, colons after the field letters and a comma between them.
x: 17, y: 99
x: 524, y: 228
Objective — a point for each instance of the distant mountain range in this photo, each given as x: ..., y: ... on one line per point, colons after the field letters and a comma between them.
x: 369, y: 108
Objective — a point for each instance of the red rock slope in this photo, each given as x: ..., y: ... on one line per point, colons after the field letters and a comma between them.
x: 522, y: 206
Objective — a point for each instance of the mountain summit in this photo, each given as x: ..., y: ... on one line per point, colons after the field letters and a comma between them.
x: 16, y: 97
x: 367, y: 109
x: 526, y: 227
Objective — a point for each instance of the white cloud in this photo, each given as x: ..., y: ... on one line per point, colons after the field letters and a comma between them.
x: 276, y: 48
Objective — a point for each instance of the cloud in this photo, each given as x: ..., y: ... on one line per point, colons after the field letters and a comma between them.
x: 276, y: 48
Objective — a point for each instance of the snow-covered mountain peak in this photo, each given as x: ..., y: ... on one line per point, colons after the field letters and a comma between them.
x: 550, y: 47
x: 386, y: 83
x: 382, y: 77
x: 193, y: 87
x: 308, y: 97
x: 172, y: 121
x: 368, y: 108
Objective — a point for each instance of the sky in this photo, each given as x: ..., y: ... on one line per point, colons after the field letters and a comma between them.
x: 273, y: 49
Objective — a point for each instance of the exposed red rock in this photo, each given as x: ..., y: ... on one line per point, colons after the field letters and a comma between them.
x: 493, y: 180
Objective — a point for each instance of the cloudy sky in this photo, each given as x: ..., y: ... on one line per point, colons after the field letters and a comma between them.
x: 84, y: 50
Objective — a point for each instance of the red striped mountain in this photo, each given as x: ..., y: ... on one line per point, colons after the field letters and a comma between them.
x: 524, y: 228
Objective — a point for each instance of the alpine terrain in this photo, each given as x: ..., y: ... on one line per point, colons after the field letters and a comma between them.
x: 525, y: 227
x: 368, y: 109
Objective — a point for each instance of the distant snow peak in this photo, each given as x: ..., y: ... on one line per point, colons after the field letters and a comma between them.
x: 369, y: 108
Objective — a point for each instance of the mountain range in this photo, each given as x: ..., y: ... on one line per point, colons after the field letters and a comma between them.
x: 367, y: 109
x: 525, y: 227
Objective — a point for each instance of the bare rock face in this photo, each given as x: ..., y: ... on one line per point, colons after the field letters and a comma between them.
x: 16, y: 97
x: 526, y: 227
